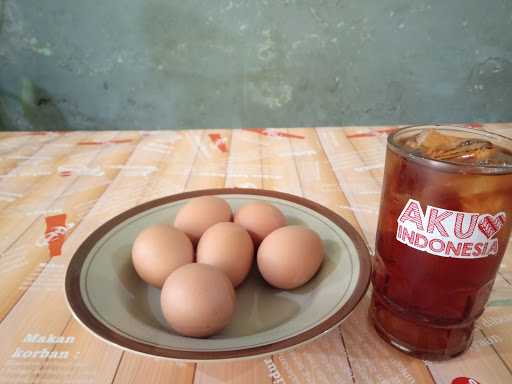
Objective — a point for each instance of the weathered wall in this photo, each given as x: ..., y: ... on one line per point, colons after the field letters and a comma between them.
x: 219, y: 63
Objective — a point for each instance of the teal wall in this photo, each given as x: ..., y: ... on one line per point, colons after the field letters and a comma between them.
x: 151, y: 64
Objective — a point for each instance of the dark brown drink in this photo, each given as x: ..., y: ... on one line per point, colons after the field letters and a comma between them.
x: 444, y: 223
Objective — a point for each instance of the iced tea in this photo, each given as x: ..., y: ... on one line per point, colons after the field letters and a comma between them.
x: 444, y: 223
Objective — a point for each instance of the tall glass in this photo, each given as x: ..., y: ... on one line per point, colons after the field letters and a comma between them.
x: 444, y: 223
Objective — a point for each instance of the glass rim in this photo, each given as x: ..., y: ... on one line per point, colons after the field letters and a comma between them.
x: 446, y: 165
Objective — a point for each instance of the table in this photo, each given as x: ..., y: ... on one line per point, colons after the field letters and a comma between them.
x: 56, y: 188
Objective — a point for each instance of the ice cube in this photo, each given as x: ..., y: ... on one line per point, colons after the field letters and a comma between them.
x: 431, y: 143
x: 478, y: 152
x: 466, y: 151
x: 438, y: 146
x: 499, y: 157
x: 432, y: 140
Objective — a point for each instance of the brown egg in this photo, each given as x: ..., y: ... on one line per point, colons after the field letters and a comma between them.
x: 228, y: 247
x: 290, y: 256
x: 197, y: 300
x: 201, y: 213
x: 158, y: 251
x: 260, y: 219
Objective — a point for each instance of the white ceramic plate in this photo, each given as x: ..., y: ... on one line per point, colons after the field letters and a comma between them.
x: 106, y: 295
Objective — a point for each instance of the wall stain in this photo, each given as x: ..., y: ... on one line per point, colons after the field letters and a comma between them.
x: 40, y: 109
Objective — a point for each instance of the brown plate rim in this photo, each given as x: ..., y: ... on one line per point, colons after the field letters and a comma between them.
x: 82, y: 313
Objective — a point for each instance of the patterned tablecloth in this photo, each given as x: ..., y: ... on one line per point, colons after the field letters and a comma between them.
x: 56, y: 188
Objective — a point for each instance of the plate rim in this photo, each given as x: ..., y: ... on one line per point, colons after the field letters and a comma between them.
x: 81, y: 312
